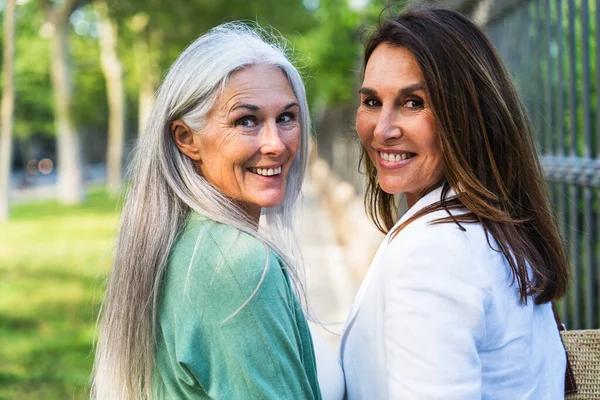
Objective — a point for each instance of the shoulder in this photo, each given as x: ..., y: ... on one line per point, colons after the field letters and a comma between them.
x: 437, y: 269
x: 222, y: 267
x: 440, y: 249
x: 211, y: 243
x: 424, y: 233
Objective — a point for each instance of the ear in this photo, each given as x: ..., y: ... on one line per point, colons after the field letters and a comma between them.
x: 185, y: 139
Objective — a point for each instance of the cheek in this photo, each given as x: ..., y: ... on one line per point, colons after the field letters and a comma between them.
x: 436, y: 150
x: 431, y: 140
x: 293, y: 142
x: 364, y: 126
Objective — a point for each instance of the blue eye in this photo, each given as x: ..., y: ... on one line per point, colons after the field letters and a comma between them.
x: 246, y: 122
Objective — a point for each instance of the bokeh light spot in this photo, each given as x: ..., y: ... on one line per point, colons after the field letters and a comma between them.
x: 45, y: 166
x: 32, y: 167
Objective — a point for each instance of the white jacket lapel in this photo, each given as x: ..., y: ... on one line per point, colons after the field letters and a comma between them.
x: 370, y: 277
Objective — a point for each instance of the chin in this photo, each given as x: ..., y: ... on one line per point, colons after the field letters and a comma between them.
x: 390, y: 187
x: 272, y: 202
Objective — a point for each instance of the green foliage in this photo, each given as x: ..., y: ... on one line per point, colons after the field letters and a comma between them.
x: 33, y: 105
x: 173, y: 25
x: 334, y: 48
x: 53, y: 262
x: 90, y: 108
x: 327, y: 36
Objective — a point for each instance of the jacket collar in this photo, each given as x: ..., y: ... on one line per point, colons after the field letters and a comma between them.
x: 430, y: 198
x: 427, y: 200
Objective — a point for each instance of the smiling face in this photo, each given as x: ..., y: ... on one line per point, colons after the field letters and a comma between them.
x: 396, y: 124
x: 250, y: 139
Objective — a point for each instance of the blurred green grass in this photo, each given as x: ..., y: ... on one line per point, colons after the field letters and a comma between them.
x: 53, y: 263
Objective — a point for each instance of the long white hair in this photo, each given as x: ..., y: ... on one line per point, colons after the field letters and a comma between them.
x: 163, y: 187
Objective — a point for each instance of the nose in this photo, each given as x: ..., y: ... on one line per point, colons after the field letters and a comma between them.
x: 271, y: 139
x: 387, y: 127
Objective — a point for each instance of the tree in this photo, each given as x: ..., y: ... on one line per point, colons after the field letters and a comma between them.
x: 113, y: 73
x: 70, y: 174
x: 146, y: 69
x: 157, y: 31
x: 34, y: 117
x: 7, y: 107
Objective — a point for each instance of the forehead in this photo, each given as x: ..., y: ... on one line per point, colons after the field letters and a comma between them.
x: 392, y: 65
x: 257, y: 84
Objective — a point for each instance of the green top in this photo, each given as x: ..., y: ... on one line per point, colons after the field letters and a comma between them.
x: 203, y: 351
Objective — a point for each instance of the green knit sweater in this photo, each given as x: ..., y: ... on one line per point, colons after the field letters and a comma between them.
x: 203, y: 350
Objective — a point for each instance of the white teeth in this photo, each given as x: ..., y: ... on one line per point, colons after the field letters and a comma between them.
x: 394, y: 157
x: 266, y: 171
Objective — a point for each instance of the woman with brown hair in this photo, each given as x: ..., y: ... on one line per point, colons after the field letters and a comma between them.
x: 457, y: 302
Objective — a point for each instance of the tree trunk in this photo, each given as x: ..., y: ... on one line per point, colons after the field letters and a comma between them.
x: 113, y: 73
x: 7, y: 108
x: 145, y: 104
x: 146, y: 68
x: 70, y: 177
x: 147, y: 78
x: 70, y: 167
x: 481, y: 14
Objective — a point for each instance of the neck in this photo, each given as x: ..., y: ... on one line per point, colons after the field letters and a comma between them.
x: 253, y: 213
x: 411, y: 199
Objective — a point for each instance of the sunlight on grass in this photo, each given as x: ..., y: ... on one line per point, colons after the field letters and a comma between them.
x: 53, y: 263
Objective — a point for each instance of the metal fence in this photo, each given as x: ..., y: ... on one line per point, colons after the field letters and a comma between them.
x: 552, y: 49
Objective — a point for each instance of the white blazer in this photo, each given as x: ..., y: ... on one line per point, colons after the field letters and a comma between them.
x: 437, y: 318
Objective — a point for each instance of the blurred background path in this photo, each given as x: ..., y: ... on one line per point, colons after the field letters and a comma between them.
x: 330, y: 287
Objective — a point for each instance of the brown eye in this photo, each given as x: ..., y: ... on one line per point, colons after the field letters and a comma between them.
x: 370, y: 102
x: 414, y: 103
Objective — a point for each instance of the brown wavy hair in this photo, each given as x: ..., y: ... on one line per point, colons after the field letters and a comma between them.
x: 485, y: 138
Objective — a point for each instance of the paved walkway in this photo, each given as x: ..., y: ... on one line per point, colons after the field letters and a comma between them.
x: 330, y: 288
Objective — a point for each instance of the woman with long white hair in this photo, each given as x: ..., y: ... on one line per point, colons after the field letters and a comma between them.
x: 202, y: 301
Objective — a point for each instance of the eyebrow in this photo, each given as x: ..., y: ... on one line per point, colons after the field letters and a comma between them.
x: 404, y: 91
x: 252, y: 107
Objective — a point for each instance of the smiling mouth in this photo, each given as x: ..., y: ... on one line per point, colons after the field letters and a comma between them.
x: 395, y: 157
x: 266, y: 171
